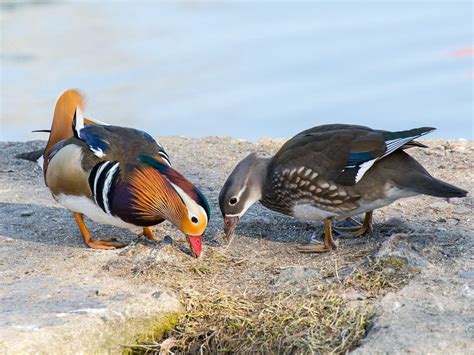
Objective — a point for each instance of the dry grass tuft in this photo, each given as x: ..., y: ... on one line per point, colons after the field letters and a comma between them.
x: 243, y: 302
x: 379, y: 277
x: 321, y: 319
x: 266, y: 324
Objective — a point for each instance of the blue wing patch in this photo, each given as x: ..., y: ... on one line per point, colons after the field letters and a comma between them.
x: 357, y: 159
x: 356, y: 166
x: 90, y: 135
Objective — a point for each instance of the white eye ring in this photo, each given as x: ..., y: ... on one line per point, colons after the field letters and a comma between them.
x: 233, y: 201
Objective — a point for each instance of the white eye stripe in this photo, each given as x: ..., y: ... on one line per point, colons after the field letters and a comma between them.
x: 250, y: 201
x: 193, y: 208
x: 237, y: 197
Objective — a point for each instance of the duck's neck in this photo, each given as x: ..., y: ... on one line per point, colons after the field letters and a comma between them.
x: 259, y: 175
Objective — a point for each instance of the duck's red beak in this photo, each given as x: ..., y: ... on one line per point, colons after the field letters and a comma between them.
x: 195, y: 244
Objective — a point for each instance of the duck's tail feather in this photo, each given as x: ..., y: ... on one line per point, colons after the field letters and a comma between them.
x: 414, y: 144
x: 428, y: 185
x: 31, y: 156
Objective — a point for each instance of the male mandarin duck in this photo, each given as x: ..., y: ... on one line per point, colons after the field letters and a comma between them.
x: 118, y: 176
x: 331, y: 172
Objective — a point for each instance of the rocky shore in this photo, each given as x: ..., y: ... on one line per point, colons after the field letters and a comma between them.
x: 408, y: 287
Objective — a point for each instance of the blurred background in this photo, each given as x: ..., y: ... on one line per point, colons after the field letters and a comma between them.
x: 243, y: 69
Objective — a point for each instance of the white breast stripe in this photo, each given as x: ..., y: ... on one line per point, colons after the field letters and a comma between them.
x: 97, y: 176
x: 107, y: 184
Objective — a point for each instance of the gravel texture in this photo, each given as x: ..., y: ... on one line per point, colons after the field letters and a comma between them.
x: 58, y: 296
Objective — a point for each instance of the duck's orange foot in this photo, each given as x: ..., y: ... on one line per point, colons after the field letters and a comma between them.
x: 357, y: 229
x: 106, y: 243
x: 315, y: 246
x: 148, y: 233
x: 352, y: 232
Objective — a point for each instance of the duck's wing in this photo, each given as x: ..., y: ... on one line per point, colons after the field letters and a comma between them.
x: 341, y: 153
x: 114, y: 143
x: 367, y: 150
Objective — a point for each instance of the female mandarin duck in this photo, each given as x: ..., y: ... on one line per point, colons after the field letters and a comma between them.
x: 119, y: 176
x: 331, y: 172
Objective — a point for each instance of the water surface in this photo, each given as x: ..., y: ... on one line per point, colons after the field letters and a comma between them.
x: 243, y: 69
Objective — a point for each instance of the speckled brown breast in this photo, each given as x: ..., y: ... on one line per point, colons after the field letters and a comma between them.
x: 288, y: 187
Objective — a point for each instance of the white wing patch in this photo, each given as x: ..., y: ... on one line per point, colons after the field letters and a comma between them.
x: 79, y: 123
x: 392, y: 145
x: 363, y: 168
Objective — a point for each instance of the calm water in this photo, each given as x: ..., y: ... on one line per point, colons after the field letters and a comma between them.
x: 241, y: 69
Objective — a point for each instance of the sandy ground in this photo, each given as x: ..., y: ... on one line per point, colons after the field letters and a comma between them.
x: 58, y: 296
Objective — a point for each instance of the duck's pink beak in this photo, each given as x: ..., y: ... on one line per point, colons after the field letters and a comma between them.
x: 230, y: 223
x: 195, y: 244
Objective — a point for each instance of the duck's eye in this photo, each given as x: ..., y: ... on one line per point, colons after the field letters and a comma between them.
x: 233, y: 201
x: 194, y: 220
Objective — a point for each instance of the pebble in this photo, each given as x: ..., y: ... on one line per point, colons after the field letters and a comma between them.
x: 168, y: 240
x: 26, y: 213
x: 467, y: 291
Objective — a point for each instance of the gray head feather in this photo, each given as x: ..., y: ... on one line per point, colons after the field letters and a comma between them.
x: 244, y: 185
